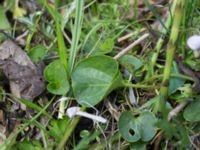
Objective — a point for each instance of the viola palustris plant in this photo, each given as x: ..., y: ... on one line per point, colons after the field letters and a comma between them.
x: 99, y: 74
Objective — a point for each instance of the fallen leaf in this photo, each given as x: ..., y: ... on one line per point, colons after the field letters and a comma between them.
x: 25, y: 78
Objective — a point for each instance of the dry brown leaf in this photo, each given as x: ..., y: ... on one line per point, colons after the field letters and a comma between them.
x: 25, y: 78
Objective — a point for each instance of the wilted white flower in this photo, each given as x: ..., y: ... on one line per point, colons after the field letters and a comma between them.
x: 75, y: 111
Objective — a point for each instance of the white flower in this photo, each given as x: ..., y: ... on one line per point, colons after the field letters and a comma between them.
x: 75, y: 111
x: 194, y: 43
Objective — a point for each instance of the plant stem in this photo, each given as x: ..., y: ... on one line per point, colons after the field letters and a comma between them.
x: 142, y: 86
x: 61, y: 109
x: 177, y: 18
x: 161, y: 40
x: 160, y: 76
x: 68, y: 133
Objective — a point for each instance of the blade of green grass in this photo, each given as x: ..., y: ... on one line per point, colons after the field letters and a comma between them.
x: 33, y: 106
x: 76, y: 33
x: 61, y: 43
x: 27, y: 103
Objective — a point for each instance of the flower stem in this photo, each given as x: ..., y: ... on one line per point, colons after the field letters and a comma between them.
x: 68, y: 131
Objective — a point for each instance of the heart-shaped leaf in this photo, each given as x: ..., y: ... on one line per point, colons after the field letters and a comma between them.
x: 128, y: 128
x: 134, y: 129
x: 56, y: 75
x: 93, y: 78
x: 192, y: 111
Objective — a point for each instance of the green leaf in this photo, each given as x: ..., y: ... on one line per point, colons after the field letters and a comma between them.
x: 33, y: 106
x: 86, y: 140
x: 24, y: 145
x: 4, y: 24
x: 167, y: 127
x: 134, y: 129
x: 138, y: 146
x: 37, y: 53
x: 128, y: 128
x: 96, y: 46
x: 192, y: 111
x: 58, y: 127
x: 133, y: 63
x: 175, y: 83
x: 9, y: 5
x: 93, y: 78
x: 105, y: 46
x: 56, y: 75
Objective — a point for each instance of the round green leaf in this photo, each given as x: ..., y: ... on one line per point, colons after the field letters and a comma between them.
x: 134, y: 129
x: 93, y: 78
x: 37, y: 53
x: 56, y: 75
x: 192, y: 111
x: 128, y: 128
x: 147, y: 122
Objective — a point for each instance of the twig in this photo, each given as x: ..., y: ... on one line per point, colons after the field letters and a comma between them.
x: 127, y: 49
x: 125, y: 37
x: 18, y: 38
x: 129, y: 35
x: 174, y: 112
x: 67, y: 37
x: 193, y: 144
x: 113, y: 111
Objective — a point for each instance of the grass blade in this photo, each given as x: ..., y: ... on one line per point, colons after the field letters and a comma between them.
x: 76, y: 33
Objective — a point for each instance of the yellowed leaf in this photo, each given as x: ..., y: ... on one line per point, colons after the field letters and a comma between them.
x: 19, y: 12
